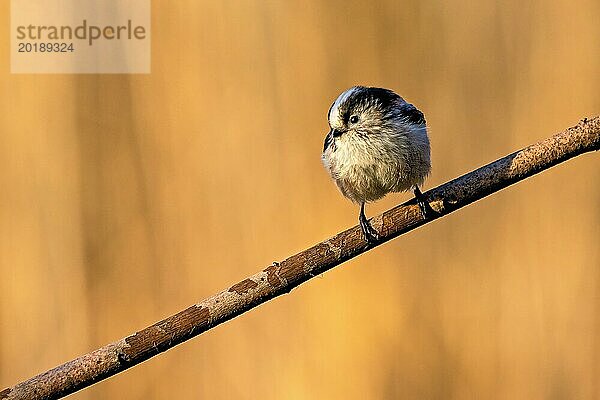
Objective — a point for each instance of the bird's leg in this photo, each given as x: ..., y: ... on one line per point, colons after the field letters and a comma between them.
x: 426, y: 209
x: 370, y: 234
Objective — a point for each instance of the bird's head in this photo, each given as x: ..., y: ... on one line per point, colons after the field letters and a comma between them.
x: 367, y: 111
x: 362, y: 110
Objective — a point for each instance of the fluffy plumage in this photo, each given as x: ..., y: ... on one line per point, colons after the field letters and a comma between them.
x: 377, y: 144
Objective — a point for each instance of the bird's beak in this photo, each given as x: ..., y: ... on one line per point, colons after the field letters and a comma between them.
x: 335, y: 133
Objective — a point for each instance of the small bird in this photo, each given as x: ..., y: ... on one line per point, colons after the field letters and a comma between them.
x: 377, y: 144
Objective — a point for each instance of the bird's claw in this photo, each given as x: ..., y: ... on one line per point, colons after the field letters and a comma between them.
x: 426, y: 210
x: 369, y: 233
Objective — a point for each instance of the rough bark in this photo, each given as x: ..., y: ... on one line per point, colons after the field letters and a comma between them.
x: 280, y: 278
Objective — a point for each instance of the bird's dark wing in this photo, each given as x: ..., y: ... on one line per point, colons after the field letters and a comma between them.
x: 328, y: 141
x: 412, y: 114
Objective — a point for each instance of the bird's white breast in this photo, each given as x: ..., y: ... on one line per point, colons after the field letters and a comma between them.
x: 367, y: 168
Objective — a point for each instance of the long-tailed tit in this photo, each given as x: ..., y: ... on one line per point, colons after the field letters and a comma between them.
x: 377, y: 144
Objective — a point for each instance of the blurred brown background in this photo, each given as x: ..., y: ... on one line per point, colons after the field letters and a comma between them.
x: 126, y: 198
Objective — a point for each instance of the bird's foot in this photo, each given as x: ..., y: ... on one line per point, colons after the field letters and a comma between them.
x: 370, y: 234
x: 426, y: 209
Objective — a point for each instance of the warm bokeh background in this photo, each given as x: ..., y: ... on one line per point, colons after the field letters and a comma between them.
x: 126, y: 198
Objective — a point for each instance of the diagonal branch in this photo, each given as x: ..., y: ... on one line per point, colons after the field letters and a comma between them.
x: 280, y: 278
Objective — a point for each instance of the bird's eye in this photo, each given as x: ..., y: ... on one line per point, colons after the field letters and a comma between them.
x: 354, y: 119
